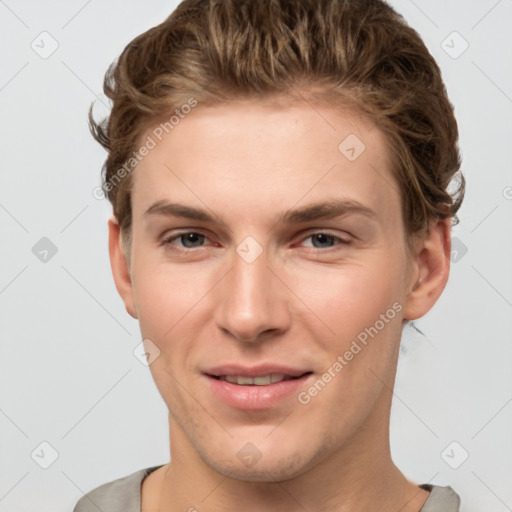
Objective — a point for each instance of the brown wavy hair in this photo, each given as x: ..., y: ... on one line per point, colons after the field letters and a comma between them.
x: 357, y: 53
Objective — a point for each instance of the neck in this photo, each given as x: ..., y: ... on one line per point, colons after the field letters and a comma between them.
x: 359, y: 476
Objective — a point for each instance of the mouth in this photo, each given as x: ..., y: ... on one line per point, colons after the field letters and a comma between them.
x: 256, y: 388
x: 264, y: 380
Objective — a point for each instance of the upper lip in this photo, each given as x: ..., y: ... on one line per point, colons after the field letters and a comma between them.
x: 259, y: 370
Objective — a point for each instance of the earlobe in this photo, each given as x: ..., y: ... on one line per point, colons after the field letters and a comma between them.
x: 431, y: 268
x: 120, y: 270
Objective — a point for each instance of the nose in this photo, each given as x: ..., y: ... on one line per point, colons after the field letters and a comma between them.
x: 252, y: 304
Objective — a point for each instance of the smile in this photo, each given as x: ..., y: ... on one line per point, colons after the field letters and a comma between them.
x: 264, y: 380
x: 256, y: 392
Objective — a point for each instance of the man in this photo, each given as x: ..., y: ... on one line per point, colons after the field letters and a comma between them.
x: 278, y: 172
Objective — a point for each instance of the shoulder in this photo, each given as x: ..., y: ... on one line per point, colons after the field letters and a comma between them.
x: 121, y: 495
x: 441, y: 499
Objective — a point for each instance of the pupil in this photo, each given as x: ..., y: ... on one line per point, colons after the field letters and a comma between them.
x: 322, y: 238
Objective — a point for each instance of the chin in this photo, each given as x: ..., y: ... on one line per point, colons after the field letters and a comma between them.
x: 278, y: 468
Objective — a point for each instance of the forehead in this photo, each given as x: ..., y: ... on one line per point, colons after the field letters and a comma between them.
x: 252, y: 158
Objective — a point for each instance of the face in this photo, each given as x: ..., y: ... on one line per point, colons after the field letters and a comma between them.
x: 268, y: 244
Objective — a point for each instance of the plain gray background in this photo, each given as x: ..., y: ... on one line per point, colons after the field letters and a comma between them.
x: 68, y: 375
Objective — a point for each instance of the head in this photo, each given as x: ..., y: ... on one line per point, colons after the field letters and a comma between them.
x: 279, y: 173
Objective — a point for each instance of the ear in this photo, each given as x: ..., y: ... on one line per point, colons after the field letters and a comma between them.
x: 430, y: 270
x: 120, y: 270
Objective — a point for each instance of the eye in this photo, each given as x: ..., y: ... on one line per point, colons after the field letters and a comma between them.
x: 322, y: 240
x: 191, y: 239
x: 187, y: 240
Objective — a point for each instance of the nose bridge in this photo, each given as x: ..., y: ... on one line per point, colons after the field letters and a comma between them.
x: 251, y: 302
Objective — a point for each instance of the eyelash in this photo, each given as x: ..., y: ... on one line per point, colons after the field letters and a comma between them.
x: 167, y: 242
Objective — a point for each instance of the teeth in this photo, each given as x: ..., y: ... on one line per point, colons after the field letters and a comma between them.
x: 257, y: 381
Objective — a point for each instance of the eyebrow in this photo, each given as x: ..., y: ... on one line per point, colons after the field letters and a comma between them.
x: 166, y: 208
x: 326, y: 210
x: 318, y: 211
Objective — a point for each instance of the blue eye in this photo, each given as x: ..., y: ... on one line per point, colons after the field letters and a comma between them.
x: 191, y: 239
x: 325, y: 240
x: 188, y: 240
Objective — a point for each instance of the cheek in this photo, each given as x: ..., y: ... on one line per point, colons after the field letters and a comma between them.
x: 348, y: 300
x: 361, y: 307
x: 165, y: 302
x: 164, y: 295
x: 173, y: 310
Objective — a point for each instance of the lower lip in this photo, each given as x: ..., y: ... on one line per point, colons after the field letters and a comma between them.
x: 252, y: 397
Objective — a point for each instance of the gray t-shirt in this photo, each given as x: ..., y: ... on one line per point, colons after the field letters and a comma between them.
x: 123, y: 495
